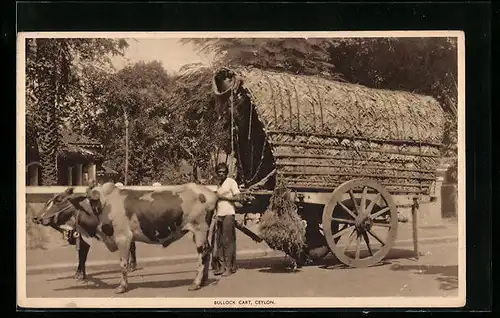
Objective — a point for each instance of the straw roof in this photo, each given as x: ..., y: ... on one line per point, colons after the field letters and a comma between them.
x: 310, y: 104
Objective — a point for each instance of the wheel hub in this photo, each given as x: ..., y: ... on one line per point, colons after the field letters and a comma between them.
x: 363, y: 223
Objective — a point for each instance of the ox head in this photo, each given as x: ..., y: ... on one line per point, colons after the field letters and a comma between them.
x: 59, y: 212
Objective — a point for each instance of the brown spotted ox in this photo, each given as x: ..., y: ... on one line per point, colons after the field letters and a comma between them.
x: 159, y: 217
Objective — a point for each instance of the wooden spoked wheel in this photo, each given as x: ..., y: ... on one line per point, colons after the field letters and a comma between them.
x: 360, y: 222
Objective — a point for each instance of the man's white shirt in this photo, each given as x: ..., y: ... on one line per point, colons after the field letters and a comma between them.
x: 228, y: 188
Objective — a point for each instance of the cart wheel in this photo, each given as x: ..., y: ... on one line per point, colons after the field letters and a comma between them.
x: 360, y: 222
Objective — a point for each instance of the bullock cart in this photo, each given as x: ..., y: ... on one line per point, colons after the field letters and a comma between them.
x: 351, y: 156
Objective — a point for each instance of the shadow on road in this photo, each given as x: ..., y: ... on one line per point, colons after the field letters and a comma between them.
x: 95, y: 283
x: 277, y: 263
x: 331, y: 262
x: 135, y: 273
x: 280, y: 264
x: 274, y: 265
x: 104, y: 272
x: 447, y: 276
x: 279, y: 270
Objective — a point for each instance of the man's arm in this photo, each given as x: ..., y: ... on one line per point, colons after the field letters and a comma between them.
x: 236, y: 198
x: 237, y: 195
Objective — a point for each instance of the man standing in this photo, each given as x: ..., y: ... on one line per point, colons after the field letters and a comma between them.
x: 225, y: 259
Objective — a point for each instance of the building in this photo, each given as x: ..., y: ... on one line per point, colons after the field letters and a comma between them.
x: 78, y: 161
x: 106, y: 174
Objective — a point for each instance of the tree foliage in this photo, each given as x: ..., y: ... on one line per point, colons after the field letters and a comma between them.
x: 136, y: 90
x: 53, y: 79
x: 171, y: 120
x: 297, y: 56
x: 206, y: 130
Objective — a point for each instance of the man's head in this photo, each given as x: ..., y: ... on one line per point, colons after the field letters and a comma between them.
x: 221, y: 170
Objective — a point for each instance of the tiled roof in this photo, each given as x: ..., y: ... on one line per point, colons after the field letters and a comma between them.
x: 71, y: 145
x: 68, y: 137
x: 69, y: 150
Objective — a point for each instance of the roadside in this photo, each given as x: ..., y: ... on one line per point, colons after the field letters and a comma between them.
x: 435, y: 274
x: 65, y: 258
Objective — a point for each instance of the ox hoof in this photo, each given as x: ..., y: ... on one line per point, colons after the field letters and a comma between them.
x: 80, y: 276
x: 120, y: 289
x: 132, y: 267
x: 194, y: 287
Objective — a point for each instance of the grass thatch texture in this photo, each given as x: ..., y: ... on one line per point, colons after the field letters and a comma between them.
x: 309, y: 104
x: 281, y: 227
x: 356, y: 143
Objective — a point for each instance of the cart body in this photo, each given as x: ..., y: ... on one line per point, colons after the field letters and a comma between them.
x: 349, y: 153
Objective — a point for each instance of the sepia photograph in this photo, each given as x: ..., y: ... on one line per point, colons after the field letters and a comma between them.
x: 241, y: 169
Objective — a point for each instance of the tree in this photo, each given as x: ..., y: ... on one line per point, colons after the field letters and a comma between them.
x: 172, y: 118
x: 422, y: 65
x: 292, y: 55
x: 203, y: 131
x: 139, y: 91
x: 51, y: 73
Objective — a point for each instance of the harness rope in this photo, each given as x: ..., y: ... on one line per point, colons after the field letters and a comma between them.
x: 74, y: 233
x: 231, y: 101
x: 64, y: 209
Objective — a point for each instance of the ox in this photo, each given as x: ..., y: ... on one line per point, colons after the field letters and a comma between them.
x: 86, y: 229
x: 126, y: 216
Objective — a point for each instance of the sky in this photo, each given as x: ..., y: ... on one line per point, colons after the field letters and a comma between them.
x: 170, y: 52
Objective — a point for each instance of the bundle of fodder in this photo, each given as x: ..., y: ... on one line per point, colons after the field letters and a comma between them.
x: 281, y: 227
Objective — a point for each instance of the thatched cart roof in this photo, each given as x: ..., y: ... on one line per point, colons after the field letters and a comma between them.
x: 318, y: 133
x: 311, y: 104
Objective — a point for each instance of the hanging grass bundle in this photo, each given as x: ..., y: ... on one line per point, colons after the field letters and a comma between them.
x: 281, y: 227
